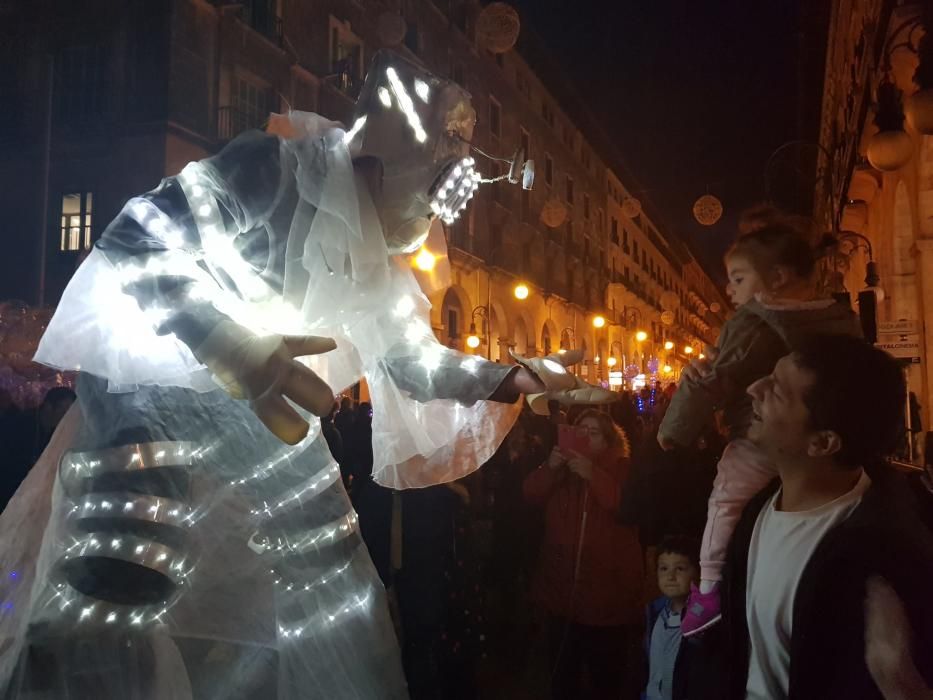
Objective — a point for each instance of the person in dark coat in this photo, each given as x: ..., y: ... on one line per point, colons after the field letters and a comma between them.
x: 837, y: 517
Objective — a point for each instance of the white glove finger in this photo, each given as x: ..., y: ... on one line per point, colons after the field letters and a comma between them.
x: 307, y: 389
x: 538, y: 404
x: 569, y: 358
x: 301, y: 345
x: 280, y: 418
x: 589, y: 395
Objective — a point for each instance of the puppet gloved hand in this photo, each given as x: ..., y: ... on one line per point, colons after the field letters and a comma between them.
x: 264, y: 371
x: 559, y: 384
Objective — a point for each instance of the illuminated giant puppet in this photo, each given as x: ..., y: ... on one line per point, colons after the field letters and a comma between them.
x: 187, y: 534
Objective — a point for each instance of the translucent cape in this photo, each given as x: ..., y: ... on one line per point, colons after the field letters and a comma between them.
x: 335, y: 279
x: 264, y: 586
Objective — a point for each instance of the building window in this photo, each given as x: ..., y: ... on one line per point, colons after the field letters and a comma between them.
x: 569, y: 190
x: 521, y: 82
x: 546, y: 112
x: 548, y: 170
x: 260, y: 15
x: 614, y: 232
x: 586, y: 206
x: 495, y: 117
x: 625, y: 240
x: 250, y: 107
x: 82, y: 77
x: 635, y: 248
x: 76, y: 221
x: 412, y: 39
x: 457, y: 75
x: 453, y: 323
x: 346, y: 51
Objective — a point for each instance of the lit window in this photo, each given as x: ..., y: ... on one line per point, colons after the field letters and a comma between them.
x: 76, y: 221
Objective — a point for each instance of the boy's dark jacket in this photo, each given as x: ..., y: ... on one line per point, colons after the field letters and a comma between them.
x: 696, y: 669
x: 882, y: 537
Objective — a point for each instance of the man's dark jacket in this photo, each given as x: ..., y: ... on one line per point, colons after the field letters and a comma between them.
x: 883, y: 536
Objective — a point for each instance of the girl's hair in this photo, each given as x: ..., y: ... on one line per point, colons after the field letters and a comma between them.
x: 776, y: 244
x: 612, y: 434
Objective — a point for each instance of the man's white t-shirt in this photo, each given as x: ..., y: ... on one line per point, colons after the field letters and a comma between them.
x: 781, y: 546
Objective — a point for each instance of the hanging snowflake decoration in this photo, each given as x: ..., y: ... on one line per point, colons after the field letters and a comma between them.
x: 497, y: 27
x: 631, y: 207
x: 707, y: 210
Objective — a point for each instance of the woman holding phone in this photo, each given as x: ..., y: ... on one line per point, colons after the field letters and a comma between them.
x: 589, y: 573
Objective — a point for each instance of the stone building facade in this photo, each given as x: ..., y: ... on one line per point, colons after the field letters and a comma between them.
x: 109, y: 98
x: 888, y: 212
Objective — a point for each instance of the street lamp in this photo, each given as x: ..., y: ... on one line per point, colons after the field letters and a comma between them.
x: 521, y: 291
x: 688, y: 350
x: 599, y: 321
x: 425, y: 260
x: 669, y: 345
x: 473, y: 339
x: 641, y: 336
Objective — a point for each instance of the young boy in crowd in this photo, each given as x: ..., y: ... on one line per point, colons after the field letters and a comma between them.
x: 669, y: 652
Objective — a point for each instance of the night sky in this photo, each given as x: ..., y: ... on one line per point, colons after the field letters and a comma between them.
x: 694, y: 97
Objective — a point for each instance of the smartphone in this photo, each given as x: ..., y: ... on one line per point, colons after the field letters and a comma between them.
x: 573, y: 439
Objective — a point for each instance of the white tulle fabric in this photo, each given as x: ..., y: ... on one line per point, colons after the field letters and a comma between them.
x: 339, y: 281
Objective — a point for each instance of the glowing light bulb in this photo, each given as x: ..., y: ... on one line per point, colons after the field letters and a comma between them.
x: 612, y: 362
x: 641, y: 336
x: 422, y: 90
x: 384, y: 97
x: 521, y: 291
x: 425, y: 260
x: 472, y: 342
x: 688, y: 350
x: 701, y: 356
x: 599, y: 322
x: 669, y: 345
x: 357, y: 125
x: 667, y: 369
x: 562, y: 351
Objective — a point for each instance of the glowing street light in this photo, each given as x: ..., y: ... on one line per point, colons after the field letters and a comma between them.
x: 688, y: 350
x: 641, y: 336
x: 424, y: 260
x: 701, y: 356
x: 599, y: 322
x: 611, y: 361
x: 669, y: 345
x: 472, y: 341
x: 521, y: 291
x: 667, y: 369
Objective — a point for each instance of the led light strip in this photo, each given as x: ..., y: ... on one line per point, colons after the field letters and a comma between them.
x: 406, y: 104
x: 458, y: 189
